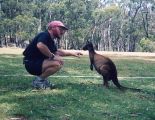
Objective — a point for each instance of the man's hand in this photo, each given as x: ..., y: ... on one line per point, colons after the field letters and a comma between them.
x: 59, y: 59
x: 77, y: 54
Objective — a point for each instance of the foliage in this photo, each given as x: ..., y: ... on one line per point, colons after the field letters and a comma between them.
x: 112, y: 25
x: 147, y: 45
x: 25, y: 26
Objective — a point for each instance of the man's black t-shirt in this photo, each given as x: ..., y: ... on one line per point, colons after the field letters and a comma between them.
x: 32, y: 52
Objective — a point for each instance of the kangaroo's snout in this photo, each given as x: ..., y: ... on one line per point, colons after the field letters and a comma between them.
x: 84, y: 48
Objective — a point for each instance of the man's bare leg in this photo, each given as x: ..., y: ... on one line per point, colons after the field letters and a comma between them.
x: 49, y: 68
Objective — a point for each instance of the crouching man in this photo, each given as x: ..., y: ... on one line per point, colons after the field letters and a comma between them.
x: 42, y: 58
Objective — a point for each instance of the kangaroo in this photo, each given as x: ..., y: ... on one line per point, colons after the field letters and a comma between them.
x: 104, y: 66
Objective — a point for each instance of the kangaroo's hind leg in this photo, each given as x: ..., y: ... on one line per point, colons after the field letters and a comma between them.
x: 105, y: 82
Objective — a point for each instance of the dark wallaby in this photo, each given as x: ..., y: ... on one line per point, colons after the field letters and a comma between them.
x: 104, y: 66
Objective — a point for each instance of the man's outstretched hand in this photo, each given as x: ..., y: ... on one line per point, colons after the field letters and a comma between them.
x: 78, y: 54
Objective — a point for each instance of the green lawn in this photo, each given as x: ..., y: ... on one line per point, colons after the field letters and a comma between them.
x: 78, y: 98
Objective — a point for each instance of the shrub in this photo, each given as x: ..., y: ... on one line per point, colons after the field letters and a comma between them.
x: 147, y: 45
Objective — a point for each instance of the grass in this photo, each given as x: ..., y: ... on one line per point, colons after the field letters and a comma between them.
x: 77, y: 98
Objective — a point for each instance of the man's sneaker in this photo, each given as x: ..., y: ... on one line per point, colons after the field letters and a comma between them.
x: 38, y: 84
x: 49, y: 84
x: 42, y: 84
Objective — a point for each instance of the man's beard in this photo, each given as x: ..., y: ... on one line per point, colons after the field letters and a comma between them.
x: 56, y: 35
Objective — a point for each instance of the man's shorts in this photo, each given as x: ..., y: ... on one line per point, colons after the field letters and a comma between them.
x: 34, y: 67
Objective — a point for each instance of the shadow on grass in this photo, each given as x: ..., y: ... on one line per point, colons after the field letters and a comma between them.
x: 72, y: 99
x: 47, y: 104
x: 35, y: 104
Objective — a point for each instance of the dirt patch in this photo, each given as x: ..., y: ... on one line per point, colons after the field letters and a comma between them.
x: 14, y: 50
x: 111, y: 53
x: 18, y: 117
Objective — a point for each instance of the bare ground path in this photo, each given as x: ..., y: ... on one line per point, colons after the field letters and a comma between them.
x: 14, y: 50
x: 11, y: 50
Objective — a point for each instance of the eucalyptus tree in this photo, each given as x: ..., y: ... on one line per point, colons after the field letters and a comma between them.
x: 117, y: 25
x: 76, y: 11
x: 1, y: 25
x: 11, y: 9
x: 136, y: 13
x: 108, y: 27
x: 147, y: 15
x: 26, y: 28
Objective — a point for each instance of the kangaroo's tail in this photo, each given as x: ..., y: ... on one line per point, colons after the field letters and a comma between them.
x: 132, y: 89
x: 116, y: 82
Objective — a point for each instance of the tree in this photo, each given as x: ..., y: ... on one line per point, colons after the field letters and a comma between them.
x: 114, y: 25
x: 147, y: 45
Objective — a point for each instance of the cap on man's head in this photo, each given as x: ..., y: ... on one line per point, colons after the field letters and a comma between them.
x: 57, y: 24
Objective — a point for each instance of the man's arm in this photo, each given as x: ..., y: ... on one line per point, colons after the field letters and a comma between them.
x: 68, y: 53
x: 44, y: 49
